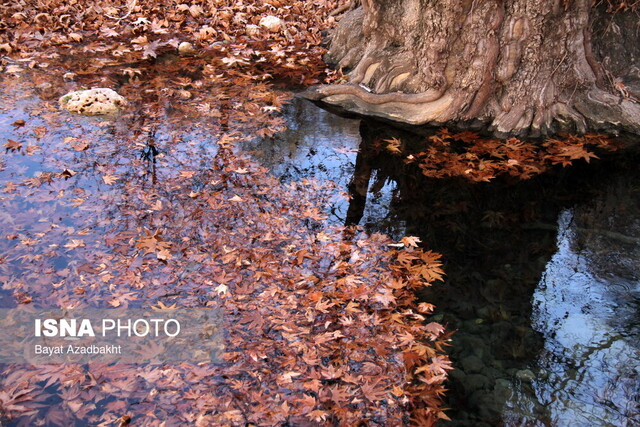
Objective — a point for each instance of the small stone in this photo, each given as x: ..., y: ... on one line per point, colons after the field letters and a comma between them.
x: 252, y: 30
x: 184, y: 94
x: 186, y: 48
x: 69, y: 76
x: 472, y: 364
x: 476, y: 382
x: 271, y: 23
x: 457, y: 375
x: 93, y: 101
x: 44, y: 87
x: 525, y: 375
x: 503, y: 390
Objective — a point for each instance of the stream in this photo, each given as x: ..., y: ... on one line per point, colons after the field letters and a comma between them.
x: 543, y: 276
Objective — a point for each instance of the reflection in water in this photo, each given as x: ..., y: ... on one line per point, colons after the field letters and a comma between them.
x: 570, y: 357
x: 315, y: 145
x: 590, y: 322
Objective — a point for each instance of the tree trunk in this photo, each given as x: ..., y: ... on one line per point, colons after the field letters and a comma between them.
x: 520, y: 67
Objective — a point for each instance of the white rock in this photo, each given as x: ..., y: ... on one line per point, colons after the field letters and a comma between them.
x: 271, y: 23
x: 186, y: 48
x: 93, y: 101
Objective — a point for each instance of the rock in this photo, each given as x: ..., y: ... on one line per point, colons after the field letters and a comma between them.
x: 93, y: 101
x: 487, y: 409
x: 252, y: 30
x: 474, y: 344
x: 69, y: 76
x: 475, y: 327
x: 472, y: 364
x: 492, y: 372
x: 44, y: 89
x: 483, y: 312
x: 184, y: 94
x: 476, y: 382
x: 271, y: 23
x: 457, y: 375
x: 186, y: 48
x: 525, y: 375
x: 503, y: 390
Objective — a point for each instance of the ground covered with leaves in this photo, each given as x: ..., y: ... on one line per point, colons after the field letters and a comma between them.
x: 158, y: 207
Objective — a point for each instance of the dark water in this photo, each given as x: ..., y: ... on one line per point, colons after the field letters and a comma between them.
x: 542, y: 276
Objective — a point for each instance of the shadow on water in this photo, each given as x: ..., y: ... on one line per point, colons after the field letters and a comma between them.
x: 542, y: 275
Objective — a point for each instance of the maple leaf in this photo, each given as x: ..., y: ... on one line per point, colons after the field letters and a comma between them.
x: 12, y: 145
x: 575, y: 152
x: 434, y: 329
x: 439, y: 365
x: 411, y: 241
x: 425, y: 307
x: 235, y: 61
x: 39, y: 132
x: 385, y: 298
x: 67, y: 173
x: 160, y: 306
x: 374, y: 391
x: 317, y: 415
x: 393, y: 145
x: 80, y: 146
x: 406, y: 258
x: 164, y: 254
x: 74, y: 243
x: 109, y: 179
x: 339, y: 394
x: 307, y: 402
x: 152, y: 243
x: 288, y: 376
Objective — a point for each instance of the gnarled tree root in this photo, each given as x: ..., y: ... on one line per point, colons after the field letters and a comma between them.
x: 410, y: 108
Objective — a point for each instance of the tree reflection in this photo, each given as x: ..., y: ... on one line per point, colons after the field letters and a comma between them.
x: 498, y: 242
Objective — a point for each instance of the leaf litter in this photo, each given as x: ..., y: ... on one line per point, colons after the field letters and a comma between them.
x: 157, y: 207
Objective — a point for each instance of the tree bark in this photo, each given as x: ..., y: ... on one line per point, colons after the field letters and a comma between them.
x: 519, y: 67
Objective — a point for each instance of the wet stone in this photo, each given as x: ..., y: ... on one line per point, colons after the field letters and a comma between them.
x: 503, y: 390
x: 457, y: 375
x: 475, y: 326
x: 475, y: 382
x: 472, y: 364
x: 93, y: 102
x: 525, y: 375
x: 476, y: 344
x: 487, y: 408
